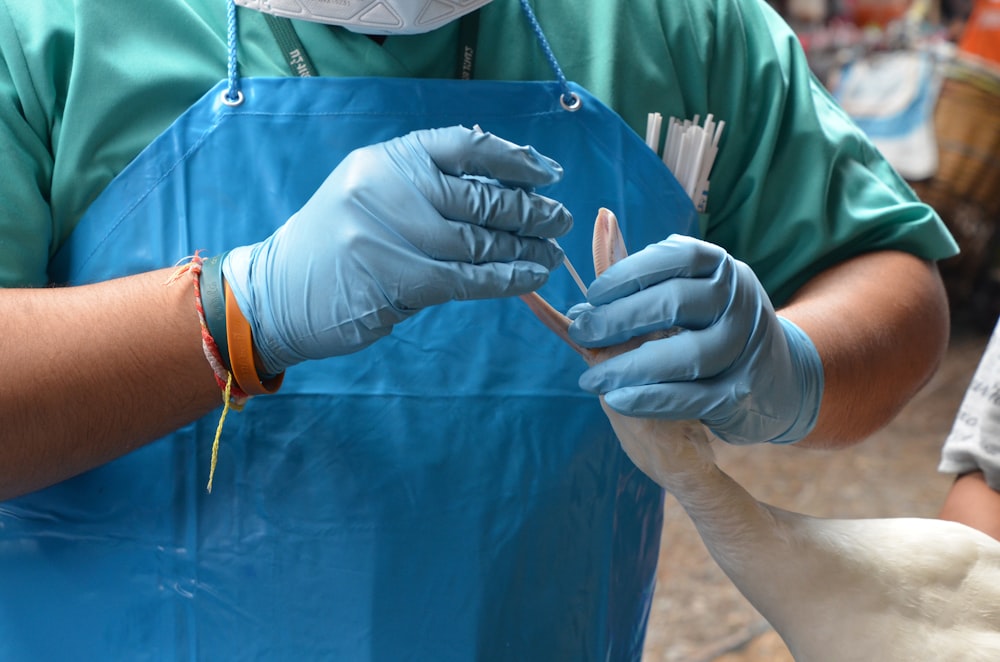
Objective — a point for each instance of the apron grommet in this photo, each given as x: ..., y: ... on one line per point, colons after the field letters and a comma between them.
x: 229, y: 101
x: 571, y: 101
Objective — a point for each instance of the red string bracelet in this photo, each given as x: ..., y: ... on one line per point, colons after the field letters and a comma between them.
x: 233, y: 397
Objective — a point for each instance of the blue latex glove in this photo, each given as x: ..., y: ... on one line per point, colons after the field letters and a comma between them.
x: 430, y: 217
x: 747, y: 374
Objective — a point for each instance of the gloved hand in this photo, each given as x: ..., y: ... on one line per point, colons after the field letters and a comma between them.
x: 432, y: 216
x: 749, y: 375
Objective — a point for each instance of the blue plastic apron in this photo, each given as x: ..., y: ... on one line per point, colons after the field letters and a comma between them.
x: 446, y: 494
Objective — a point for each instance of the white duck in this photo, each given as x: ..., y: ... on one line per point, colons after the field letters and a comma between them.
x: 869, y: 590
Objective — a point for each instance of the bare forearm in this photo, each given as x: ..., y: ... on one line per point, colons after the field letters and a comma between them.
x: 94, y: 372
x: 880, y: 323
x: 974, y: 503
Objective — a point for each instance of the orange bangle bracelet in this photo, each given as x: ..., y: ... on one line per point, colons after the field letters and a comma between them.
x: 241, y: 354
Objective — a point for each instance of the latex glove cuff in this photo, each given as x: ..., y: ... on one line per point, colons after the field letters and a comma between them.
x: 808, y: 365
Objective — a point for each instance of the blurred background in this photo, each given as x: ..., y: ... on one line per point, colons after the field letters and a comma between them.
x: 922, y: 78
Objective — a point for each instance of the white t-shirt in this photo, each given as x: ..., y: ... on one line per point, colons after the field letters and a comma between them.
x: 974, y: 441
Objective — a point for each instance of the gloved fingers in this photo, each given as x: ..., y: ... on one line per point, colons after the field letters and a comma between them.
x: 578, y: 310
x: 461, y: 242
x: 420, y: 226
x: 711, y: 402
x: 459, y: 281
x: 684, y: 357
x: 460, y: 151
x: 500, y: 279
x: 678, y: 256
x: 492, y: 206
x: 689, y: 303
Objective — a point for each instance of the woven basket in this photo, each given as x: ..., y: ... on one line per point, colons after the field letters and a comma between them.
x: 965, y: 191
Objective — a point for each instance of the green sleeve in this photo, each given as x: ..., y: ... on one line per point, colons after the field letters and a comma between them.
x: 26, y: 232
x: 798, y: 187
x: 84, y: 87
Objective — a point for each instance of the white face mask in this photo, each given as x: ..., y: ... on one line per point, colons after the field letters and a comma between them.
x: 371, y: 16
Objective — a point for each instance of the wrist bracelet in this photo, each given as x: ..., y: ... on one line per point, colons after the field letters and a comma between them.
x: 232, y: 396
x: 241, y: 354
x: 213, y: 301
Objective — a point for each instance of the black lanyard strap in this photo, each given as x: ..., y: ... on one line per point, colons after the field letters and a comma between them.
x: 291, y: 46
x: 468, y: 38
x: 300, y: 65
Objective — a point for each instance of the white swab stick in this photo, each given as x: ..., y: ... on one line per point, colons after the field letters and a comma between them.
x: 684, y: 157
x: 670, y: 149
x: 572, y: 270
x: 654, y: 122
x: 706, y: 166
x: 698, y: 158
x: 576, y: 276
x: 718, y: 133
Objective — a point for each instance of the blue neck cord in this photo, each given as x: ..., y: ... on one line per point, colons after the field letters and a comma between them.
x: 567, y: 96
x: 233, y: 93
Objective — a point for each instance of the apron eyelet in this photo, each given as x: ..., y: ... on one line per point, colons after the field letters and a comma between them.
x: 571, y: 102
x: 230, y: 101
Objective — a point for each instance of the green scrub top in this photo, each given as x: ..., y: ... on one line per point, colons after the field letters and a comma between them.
x: 796, y: 186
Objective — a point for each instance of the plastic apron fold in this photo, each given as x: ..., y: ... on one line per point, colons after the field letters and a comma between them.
x: 448, y: 493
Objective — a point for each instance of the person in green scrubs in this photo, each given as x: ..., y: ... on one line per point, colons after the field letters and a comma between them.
x: 830, y: 310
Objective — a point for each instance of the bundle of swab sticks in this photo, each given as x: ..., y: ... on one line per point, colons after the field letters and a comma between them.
x: 689, y: 151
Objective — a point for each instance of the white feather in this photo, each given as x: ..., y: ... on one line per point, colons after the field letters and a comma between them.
x: 833, y: 589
